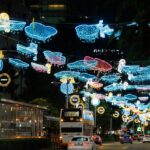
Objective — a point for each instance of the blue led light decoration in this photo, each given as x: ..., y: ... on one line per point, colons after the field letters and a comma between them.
x: 67, y: 88
x: 110, y: 78
x: 140, y: 78
x: 84, y: 77
x: 66, y: 74
x: 40, y: 32
x: 1, y: 65
x: 89, y: 33
x: 130, y: 97
x: 30, y: 51
x: 18, y: 63
x: 82, y: 65
x: 39, y: 67
x: 130, y: 69
x: 104, y: 29
x: 54, y: 58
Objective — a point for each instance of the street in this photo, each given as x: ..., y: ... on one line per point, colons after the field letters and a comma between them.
x: 117, y: 146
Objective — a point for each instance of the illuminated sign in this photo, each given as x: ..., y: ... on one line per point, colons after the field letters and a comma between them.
x: 71, y: 114
x: 4, y: 80
x: 116, y: 114
x: 74, y: 99
x: 101, y: 110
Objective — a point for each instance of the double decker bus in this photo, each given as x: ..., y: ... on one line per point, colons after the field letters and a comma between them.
x: 74, y: 122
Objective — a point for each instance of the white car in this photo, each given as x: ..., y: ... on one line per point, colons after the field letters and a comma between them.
x: 81, y: 143
x: 146, y: 138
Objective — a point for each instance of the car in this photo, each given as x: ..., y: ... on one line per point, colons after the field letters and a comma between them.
x: 126, y: 139
x: 81, y: 143
x: 146, y: 138
x: 97, y: 139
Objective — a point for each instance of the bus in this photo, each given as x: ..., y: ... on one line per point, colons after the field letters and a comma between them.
x: 74, y: 122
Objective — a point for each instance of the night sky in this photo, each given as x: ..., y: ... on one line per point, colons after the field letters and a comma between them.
x: 29, y: 84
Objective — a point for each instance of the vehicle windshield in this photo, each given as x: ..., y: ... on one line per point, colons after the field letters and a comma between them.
x: 80, y: 139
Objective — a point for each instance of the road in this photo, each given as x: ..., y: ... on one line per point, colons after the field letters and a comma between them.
x: 117, y: 146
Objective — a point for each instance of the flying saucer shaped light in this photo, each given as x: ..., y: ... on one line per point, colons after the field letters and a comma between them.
x: 143, y: 98
x: 101, y: 65
x: 11, y: 25
x: 144, y: 70
x: 133, y: 69
x: 66, y: 74
x: 130, y: 97
x: 87, y: 33
x: 39, y: 31
x: 142, y: 87
x: 29, y: 51
x: 84, y: 77
x: 110, y: 78
x: 140, y: 78
x: 39, y: 67
x: 54, y: 58
x: 18, y: 63
x: 82, y: 65
x: 118, y: 87
x: 1, y: 65
x: 85, y: 93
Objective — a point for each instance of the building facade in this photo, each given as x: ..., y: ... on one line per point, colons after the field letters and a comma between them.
x: 18, y: 119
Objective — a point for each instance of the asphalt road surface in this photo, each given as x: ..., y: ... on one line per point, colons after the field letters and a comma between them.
x: 117, y: 146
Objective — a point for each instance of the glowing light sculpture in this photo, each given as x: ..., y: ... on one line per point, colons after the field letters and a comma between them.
x: 66, y: 74
x: 54, y: 58
x: 133, y: 69
x: 101, y: 65
x: 84, y: 77
x: 110, y: 78
x: 85, y: 93
x: 122, y: 63
x: 31, y: 50
x: 40, y: 32
x: 82, y: 65
x: 104, y: 29
x: 1, y: 65
x: 87, y: 33
x: 39, y: 67
x: 18, y: 63
x: 132, y: 24
x: 95, y: 102
x: 140, y: 78
x: 130, y: 97
x: 67, y: 88
x: 144, y: 70
x: 118, y: 87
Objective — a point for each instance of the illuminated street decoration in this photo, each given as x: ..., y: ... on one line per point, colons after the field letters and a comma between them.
x: 101, y: 110
x: 118, y: 87
x: 1, y: 54
x: 110, y: 78
x: 126, y: 112
x: 18, y: 63
x: 142, y: 87
x: 89, y: 33
x: 132, y: 24
x: 82, y: 65
x: 1, y: 65
x: 4, y: 22
x: 133, y: 69
x: 70, y: 79
x: 48, y: 67
x: 40, y: 32
x: 122, y: 63
x: 66, y: 74
x: 95, y: 102
x: 85, y: 93
x: 55, y: 58
x: 67, y: 88
x: 84, y: 77
x: 140, y: 78
x: 95, y: 84
x: 101, y: 65
x: 130, y: 97
x: 143, y: 98
x: 104, y: 29
x: 8, y: 25
x: 144, y: 70
x: 74, y: 100
x: 116, y: 114
x: 39, y: 67
x: 29, y: 51
x: 4, y: 79
x: 117, y: 34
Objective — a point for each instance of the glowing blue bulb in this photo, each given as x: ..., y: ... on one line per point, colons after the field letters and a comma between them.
x: 1, y: 65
